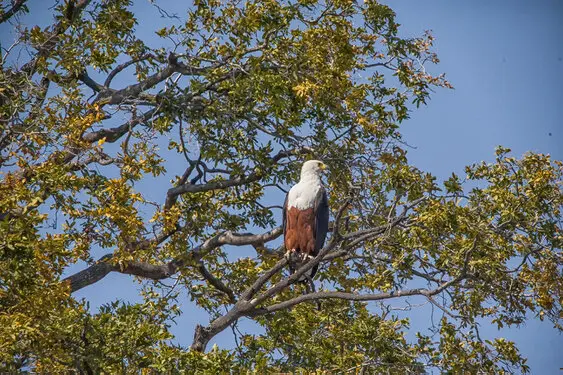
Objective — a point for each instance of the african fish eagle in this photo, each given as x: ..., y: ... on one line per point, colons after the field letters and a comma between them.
x: 305, y: 216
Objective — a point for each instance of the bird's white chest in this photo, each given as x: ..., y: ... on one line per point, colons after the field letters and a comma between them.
x: 302, y: 196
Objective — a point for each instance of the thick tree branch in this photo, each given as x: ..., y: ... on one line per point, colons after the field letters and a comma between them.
x: 88, y: 81
x: 113, y: 134
x: 109, y: 96
x: 90, y: 275
x: 104, y: 265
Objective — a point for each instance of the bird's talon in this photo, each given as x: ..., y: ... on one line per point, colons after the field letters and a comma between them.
x: 289, y: 253
x: 305, y: 257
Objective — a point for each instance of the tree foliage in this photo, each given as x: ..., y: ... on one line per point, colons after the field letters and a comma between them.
x: 165, y: 153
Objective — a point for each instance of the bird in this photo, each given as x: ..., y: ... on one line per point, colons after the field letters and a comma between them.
x: 305, y: 218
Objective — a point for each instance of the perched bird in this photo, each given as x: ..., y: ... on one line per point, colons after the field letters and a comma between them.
x: 305, y: 218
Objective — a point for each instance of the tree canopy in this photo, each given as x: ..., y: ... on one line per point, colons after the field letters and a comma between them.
x: 169, y: 160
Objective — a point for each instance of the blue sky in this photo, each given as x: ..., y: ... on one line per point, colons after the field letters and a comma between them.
x: 505, y: 60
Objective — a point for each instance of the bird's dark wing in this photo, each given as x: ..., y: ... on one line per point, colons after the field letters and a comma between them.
x: 321, y: 219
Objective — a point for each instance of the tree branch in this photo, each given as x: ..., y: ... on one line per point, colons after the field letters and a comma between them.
x: 88, y: 81
x: 72, y: 12
x: 248, y: 308
x: 13, y: 10
x: 118, y: 69
x: 255, y: 287
x: 352, y: 297
x: 113, y: 134
x: 99, y: 270
x: 104, y: 265
x: 218, y: 284
x: 90, y: 275
x: 109, y: 96
x: 173, y: 193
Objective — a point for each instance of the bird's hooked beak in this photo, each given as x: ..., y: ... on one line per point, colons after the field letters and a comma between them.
x: 322, y: 166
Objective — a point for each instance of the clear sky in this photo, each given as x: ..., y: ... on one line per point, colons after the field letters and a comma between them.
x: 505, y: 60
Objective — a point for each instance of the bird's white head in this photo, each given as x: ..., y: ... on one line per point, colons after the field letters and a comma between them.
x: 312, y: 169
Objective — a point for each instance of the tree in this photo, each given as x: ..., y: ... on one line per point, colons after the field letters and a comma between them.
x: 95, y: 120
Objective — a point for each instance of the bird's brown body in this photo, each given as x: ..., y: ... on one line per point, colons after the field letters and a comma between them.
x: 299, y: 233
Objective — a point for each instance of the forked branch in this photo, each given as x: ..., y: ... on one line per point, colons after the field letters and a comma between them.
x: 105, y: 265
